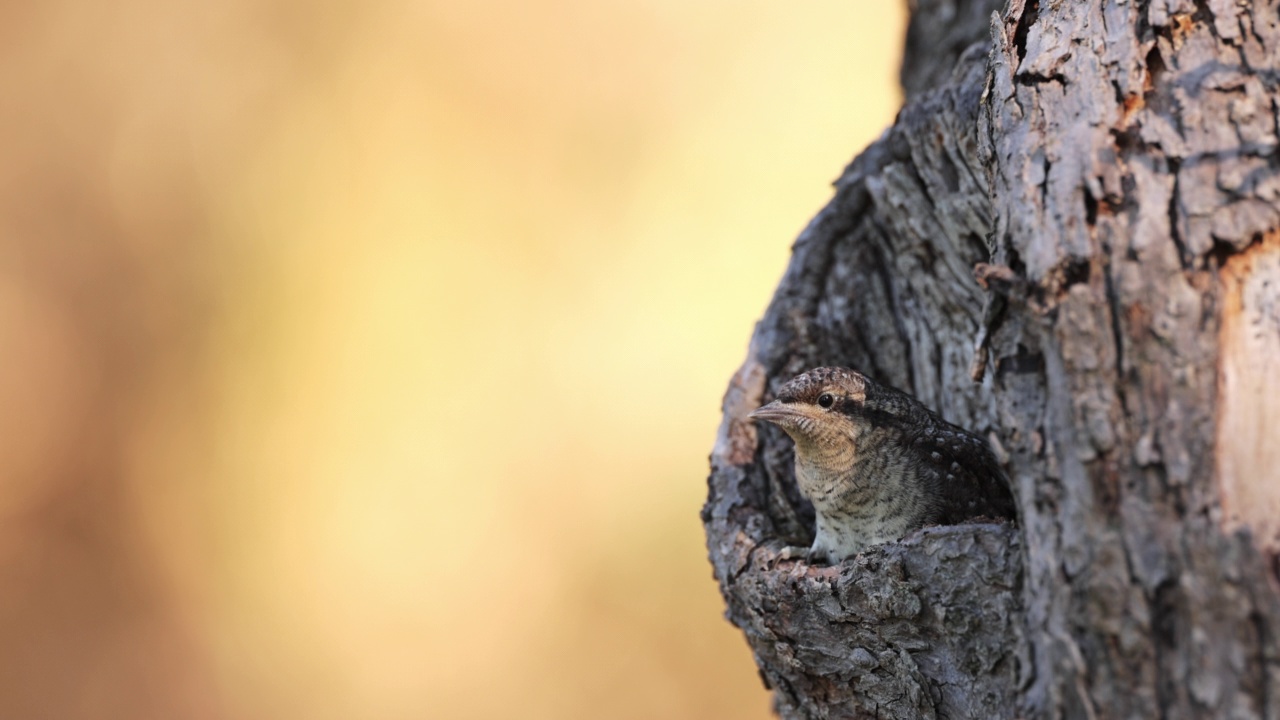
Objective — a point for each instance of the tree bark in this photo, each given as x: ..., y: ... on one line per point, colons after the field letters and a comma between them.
x: 1069, y: 241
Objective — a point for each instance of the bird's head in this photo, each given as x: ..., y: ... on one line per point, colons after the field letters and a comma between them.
x: 818, y: 407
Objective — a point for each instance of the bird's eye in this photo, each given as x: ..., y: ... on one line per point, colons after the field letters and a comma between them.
x: 826, y: 400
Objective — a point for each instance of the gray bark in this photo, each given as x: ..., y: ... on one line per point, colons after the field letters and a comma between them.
x: 1069, y: 241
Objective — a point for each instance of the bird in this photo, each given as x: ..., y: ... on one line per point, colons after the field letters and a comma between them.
x: 877, y: 464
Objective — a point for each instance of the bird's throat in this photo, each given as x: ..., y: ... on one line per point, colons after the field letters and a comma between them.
x: 824, y: 462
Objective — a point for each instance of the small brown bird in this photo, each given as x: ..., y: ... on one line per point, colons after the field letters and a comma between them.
x: 876, y: 464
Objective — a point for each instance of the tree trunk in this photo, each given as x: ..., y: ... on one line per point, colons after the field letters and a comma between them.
x: 1068, y: 242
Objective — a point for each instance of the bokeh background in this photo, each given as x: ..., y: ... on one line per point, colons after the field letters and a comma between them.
x: 361, y: 359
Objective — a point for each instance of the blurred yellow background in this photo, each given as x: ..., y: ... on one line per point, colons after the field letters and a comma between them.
x: 361, y: 359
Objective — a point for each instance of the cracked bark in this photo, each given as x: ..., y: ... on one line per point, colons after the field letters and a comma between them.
x: 1111, y: 170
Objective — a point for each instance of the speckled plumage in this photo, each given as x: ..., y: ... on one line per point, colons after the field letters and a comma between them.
x: 877, y: 464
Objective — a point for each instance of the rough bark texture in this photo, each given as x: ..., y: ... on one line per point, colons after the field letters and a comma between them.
x: 1112, y: 172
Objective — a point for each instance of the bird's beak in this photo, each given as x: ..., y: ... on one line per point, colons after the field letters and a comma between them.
x: 776, y: 412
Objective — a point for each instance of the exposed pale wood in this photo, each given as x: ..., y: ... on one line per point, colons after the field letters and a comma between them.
x: 1248, y: 442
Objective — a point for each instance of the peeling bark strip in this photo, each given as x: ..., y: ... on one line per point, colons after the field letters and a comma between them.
x: 1116, y: 168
